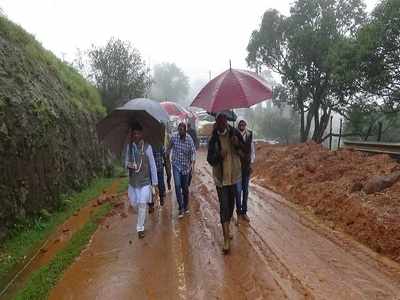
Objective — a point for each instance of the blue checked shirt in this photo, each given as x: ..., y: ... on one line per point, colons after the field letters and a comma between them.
x: 183, y: 153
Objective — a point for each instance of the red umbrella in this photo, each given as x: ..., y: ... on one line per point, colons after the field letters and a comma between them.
x: 232, y: 89
x: 174, y: 109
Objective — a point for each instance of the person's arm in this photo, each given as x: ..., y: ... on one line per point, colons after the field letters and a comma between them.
x: 192, y: 149
x: 127, y: 156
x: 253, y: 152
x: 152, y: 163
x: 169, y: 147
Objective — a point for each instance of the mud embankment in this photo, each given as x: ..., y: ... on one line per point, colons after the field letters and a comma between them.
x: 336, y: 187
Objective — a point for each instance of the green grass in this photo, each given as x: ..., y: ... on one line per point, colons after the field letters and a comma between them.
x: 123, y: 185
x: 43, y: 280
x: 31, y: 234
x: 79, y: 91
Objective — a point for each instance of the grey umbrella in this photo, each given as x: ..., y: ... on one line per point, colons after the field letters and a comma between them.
x: 114, y: 128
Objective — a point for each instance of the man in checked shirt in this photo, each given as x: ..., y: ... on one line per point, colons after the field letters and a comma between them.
x: 183, y: 160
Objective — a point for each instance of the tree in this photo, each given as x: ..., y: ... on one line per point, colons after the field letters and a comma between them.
x: 374, y: 57
x: 299, y: 48
x: 117, y: 70
x: 170, y: 83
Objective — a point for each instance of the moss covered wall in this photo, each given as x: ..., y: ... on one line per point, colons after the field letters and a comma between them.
x: 48, y: 113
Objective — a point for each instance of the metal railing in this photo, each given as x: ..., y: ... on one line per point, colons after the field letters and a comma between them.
x: 374, y: 147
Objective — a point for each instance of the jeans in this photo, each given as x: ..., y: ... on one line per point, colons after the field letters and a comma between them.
x: 161, y: 183
x: 181, y: 188
x: 242, y: 194
x: 226, y: 197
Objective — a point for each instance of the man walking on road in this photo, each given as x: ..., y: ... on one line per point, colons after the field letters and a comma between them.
x: 139, y: 160
x: 247, y: 157
x: 183, y: 160
x: 223, y: 156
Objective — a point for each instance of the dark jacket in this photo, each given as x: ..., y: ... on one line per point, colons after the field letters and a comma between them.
x: 193, y: 134
x: 245, y: 157
x: 214, y: 146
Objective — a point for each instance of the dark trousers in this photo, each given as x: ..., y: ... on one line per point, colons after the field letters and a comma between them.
x: 226, y: 197
x: 161, y: 183
x: 242, y: 194
x: 181, y: 188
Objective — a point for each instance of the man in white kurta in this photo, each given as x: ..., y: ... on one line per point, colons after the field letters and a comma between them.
x: 140, y: 162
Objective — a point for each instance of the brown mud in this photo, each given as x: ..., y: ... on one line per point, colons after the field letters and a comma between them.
x: 58, y: 240
x: 283, y: 253
x: 333, y: 186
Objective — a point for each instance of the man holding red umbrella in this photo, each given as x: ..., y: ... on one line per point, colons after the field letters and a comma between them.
x: 230, y: 89
x: 223, y: 155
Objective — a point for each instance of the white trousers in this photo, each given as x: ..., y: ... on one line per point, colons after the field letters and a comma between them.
x: 139, y: 197
x: 142, y: 212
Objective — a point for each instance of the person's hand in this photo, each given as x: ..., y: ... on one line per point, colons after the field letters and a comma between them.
x: 235, y: 140
x: 224, y: 153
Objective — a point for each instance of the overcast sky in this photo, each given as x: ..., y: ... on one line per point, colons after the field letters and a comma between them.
x: 199, y: 36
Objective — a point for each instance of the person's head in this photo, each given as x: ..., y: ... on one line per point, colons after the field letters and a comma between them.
x: 242, y: 125
x: 221, y: 122
x: 182, y: 129
x: 136, y: 132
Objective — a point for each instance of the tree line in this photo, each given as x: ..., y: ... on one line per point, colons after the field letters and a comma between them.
x: 120, y: 74
x: 334, y: 57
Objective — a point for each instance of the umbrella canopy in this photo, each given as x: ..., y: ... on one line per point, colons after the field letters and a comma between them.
x: 232, y: 89
x: 114, y: 128
x: 174, y: 109
x: 230, y: 115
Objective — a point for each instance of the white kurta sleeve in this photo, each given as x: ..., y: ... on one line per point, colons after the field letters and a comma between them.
x: 253, y: 152
x: 153, y: 168
x: 127, y: 156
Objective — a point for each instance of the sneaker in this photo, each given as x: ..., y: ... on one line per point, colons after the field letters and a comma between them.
x: 187, y: 211
x: 180, y: 216
x: 245, y: 217
x: 141, y: 234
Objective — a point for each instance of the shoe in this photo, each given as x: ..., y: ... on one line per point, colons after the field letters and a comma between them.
x: 151, y: 208
x: 141, y: 234
x: 227, y: 242
x: 237, y: 221
x: 187, y: 211
x: 246, y: 218
x: 180, y: 216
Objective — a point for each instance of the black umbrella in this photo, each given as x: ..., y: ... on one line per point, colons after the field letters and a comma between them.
x: 114, y: 128
x: 230, y: 115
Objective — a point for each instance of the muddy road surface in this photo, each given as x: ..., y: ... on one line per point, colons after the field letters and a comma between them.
x: 283, y: 253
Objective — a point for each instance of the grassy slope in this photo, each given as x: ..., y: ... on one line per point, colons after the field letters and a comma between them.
x: 81, y: 93
x: 28, y: 236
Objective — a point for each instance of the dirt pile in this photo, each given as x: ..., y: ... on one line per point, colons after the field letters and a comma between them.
x: 355, y: 192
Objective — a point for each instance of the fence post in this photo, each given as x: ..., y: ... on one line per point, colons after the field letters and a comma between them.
x: 330, y: 135
x: 340, y: 134
x: 379, y: 131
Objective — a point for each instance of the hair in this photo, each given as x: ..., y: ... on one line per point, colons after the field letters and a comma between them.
x: 136, y: 126
x: 242, y: 121
x: 182, y: 124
